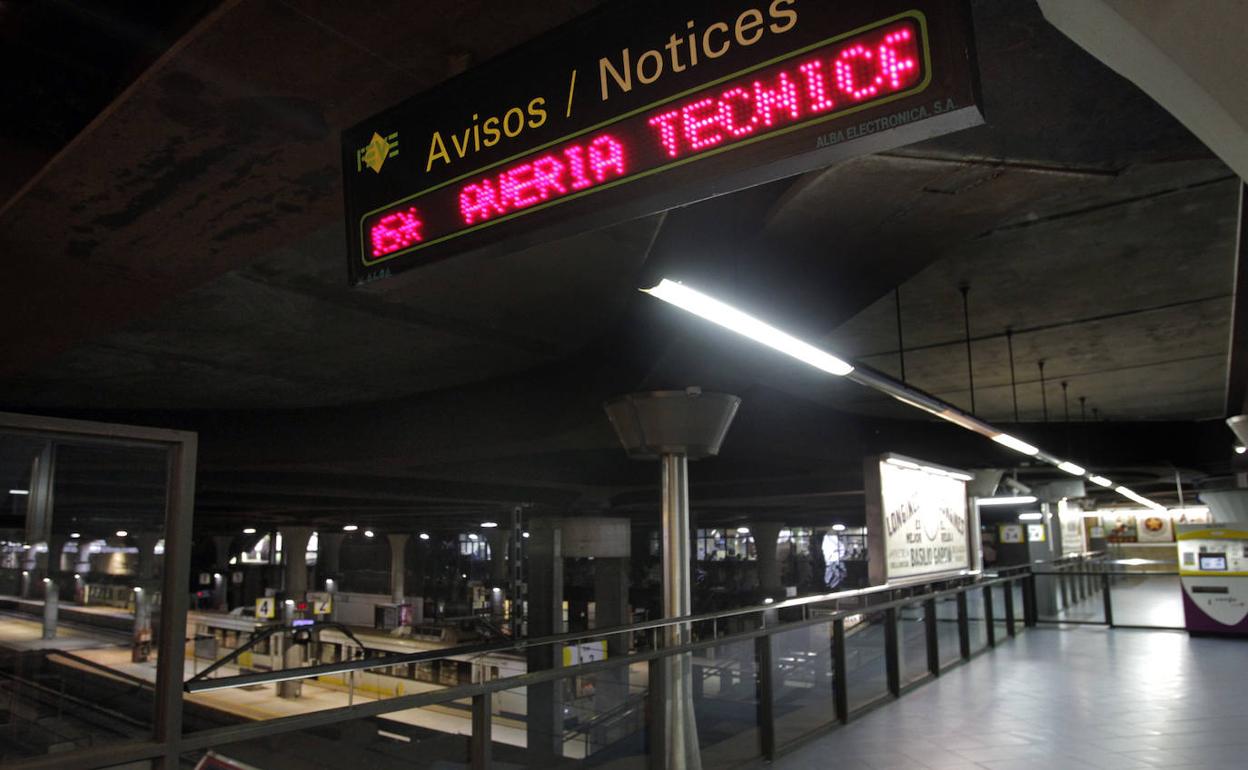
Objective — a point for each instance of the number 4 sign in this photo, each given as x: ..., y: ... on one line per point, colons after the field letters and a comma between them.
x: 265, y: 607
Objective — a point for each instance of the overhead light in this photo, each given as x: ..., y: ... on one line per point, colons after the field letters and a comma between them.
x: 1141, y: 499
x: 1071, y: 468
x: 249, y: 530
x: 524, y: 534
x: 1016, y: 500
x: 19, y: 491
x: 77, y: 576
x: 216, y: 576
x: 732, y: 319
x: 46, y: 581
x: 290, y: 602
x: 424, y: 535
x: 1239, y: 450
x: 349, y: 528
x: 1018, y: 445
x: 838, y: 527
x: 472, y: 535
x: 768, y: 600
x: 138, y: 589
x: 1101, y: 480
x: 1032, y: 516
x: 904, y: 464
x: 743, y: 530
x: 233, y: 560
x: 489, y: 524
x: 75, y: 535
x: 496, y: 590
x: 122, y: 533
x: 368, y: 533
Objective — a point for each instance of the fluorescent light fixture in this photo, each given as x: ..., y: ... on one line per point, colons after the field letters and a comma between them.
x: 734, y: 320
x: 904, y: 464
x: 1032, y: 516
x: 1018, y: 445
x: 122, y: 533
x: 349, y: 528
x: 743, y: 530
x: 424, y: 535
x: 19, y: 491
x: 1016, y: 500
x: 368, y: 533
x: 489, y: 524
x: 1071, y: 468
x: 838, y: 527
x: 1141, y: 499
x: 75, y: 535
x: 1101, y: 480
x: 249, y: 530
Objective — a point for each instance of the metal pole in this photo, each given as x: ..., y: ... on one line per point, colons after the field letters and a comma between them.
x: 681, y: 751
x: 966, y: 322
x: 892, y: 653
x: 766, y: 697
x: 901, y: 345
x: 1044, y: 397
x: 840, y: 687
x: 964, y: 627
x: 1109, y: 604
x: 933, y: 639
x: 1009, y: 342
x: 1009, y: 607
x: 517, y: 535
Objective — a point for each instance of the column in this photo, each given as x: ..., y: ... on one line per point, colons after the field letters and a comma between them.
x: 766, y: 536
x: 221, y: 572
x: 329, y: 547
x: 51, y: 598
x: 545, y: 706
x: 500, y: 577
x: 295, y: 566
x: 398, y: 567
x: 144, y: 586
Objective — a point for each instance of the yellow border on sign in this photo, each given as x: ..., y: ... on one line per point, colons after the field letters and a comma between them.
x: 1214, y: 533
x: 922, y: 85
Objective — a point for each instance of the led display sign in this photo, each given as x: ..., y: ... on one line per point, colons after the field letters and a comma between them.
x: 743, y: 95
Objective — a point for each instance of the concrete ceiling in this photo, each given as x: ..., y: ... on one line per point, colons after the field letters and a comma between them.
x: 180, y: 262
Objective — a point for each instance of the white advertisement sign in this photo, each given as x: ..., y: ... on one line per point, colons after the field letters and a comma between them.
x: 1071, y: 517
x: 923, y: 520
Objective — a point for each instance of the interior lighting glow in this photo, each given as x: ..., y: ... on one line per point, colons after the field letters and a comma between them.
x: 424, y: 535
x: 249, y: 530
x: 472, y: 535
x: 1141, y: 499
x: 368, y: 533
x: 1239, y: 450
x: 732, y: 319
x: 77, y: 576
x: 525, y: 534
x: 743, y: 530
x: 46, y: 581
x: 768, y: 600
x: 1101, y: 481
x: 838, y: 527
x: 1015, y: 500
x: 349, y: 528
x: 75, y: 535
x: 1071, y: 468
x: 1032, y: 516
x: 1018, y: 445
x: 138, y: 589
x: 489, y: 524
x: 122, y: 533
x: 19, y: 491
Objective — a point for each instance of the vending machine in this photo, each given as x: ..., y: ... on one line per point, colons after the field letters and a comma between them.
x: 1213, y: 571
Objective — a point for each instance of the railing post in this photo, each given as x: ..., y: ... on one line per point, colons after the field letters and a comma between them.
x: 656, y: 725
x: 892, y: 656
x: 840, y: 691
x: 479, y: 746
x: 1009, y: 607
x: 1109, y: 604
x: 1029, y: 601
x: 766, y: 697
x: 933, y: 640
x: 989, y: 617
x: 964, y: 626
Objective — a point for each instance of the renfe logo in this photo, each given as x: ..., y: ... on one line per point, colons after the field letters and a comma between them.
x: 808, y: 88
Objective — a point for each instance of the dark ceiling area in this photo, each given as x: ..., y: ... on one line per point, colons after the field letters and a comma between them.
x: 174, y: 245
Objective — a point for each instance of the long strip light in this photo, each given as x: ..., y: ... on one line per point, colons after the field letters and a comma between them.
x: 1016, y: 500
x: 721, y: 314
x: 1141, y: 499
x: 746, y: 325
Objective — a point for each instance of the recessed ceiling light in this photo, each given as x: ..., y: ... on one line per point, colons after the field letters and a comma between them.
x: 122, y: 533
x: 838, y: 527
x: 349, y: 528
x: 424, y: 535
x: 19, y: 491
x: 1015, y: 500
x: 368, y: 533
x: 249, y: 530
x: 489, y: 524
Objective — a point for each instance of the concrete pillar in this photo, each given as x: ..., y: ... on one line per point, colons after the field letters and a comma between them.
x: 329, y: 548
x: 145, y: 585
x: 56, y: 546
x: 611, y: 609
x: 30, y: 569
x: 545, y: 704
x: 766, y: 536
x: 51, y: 598
x: 398, y: 567
x: 146, y: 542
x: 225, y: 549
x: 221, y: 570
x: 499, y: 539
x: 295, y: 565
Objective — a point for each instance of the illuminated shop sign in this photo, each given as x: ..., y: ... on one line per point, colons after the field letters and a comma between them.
x: 918, y: 523
x: 643, y: 106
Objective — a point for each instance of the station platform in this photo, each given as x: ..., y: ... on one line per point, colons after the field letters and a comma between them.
x: 1061, y: 698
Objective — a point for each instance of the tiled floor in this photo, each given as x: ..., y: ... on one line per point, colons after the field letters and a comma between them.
x: 1078, y: 698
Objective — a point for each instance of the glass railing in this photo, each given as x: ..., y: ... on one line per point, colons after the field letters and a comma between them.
x: 1126, y: 593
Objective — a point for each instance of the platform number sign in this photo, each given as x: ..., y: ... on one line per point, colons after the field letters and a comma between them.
x: 322, y: 604
x: 265, y: 607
